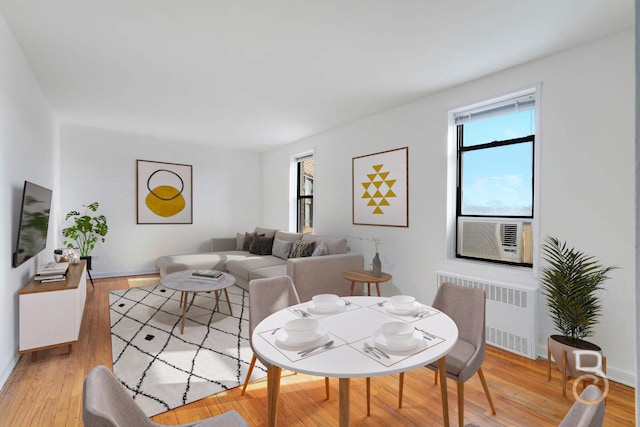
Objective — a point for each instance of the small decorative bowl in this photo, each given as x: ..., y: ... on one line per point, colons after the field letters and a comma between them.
x: 402, y: 302
x: 325, y: 301
x: 397, y: 333
x: 300, y: 329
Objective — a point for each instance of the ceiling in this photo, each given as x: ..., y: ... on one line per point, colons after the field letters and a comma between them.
x: 255, y: 74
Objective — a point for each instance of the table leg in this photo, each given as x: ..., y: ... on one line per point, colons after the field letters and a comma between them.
x: 369, y: 288
x: 353, y: 288
x: 273, y: 390
x: 368, y: 396
x: 228, y: 301
x: 442, y: 369
x: 378, y: 288
x: 343, y: 384
x: 217, y: 299
x: 184, y: 309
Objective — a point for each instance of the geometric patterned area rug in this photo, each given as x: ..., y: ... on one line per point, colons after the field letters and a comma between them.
x: 163, y: 369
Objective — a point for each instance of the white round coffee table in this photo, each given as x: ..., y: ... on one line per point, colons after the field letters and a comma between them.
x: 185, y: 282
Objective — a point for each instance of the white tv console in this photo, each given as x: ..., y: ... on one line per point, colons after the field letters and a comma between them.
x: 51, y: 313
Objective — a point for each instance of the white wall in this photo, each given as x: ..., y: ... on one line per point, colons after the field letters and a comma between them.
x: 100, y: 165
x: 28, y: 151
x: 586, y: 187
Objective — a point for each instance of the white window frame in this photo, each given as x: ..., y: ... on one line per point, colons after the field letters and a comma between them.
x: 293, y: 187
x: 452, y: 176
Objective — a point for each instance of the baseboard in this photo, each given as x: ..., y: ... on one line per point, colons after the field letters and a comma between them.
x: 103, y: 275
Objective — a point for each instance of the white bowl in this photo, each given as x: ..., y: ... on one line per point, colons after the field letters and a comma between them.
x: 325, y: 301
x: 397, y: 333
x: 300, y: 329
x: 402, y: 302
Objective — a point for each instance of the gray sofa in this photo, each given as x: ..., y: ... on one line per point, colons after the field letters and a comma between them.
x: 313, y: 273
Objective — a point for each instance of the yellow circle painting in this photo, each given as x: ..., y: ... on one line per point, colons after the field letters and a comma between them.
x: 165, y: 200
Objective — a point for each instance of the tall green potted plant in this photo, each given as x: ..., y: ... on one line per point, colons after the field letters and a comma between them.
x: 86, y: 231
x: 570, y: 282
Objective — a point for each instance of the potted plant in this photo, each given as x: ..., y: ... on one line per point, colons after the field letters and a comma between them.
x: 86, y: 231
x: 570, y: 282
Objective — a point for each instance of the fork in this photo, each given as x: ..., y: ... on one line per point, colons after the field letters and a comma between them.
x: 301, y: 312
x: 382, y: 303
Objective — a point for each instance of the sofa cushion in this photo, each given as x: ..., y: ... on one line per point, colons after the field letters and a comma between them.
x: 210, y: 260
x: 267, y: 232
x: 320, y: 250
x: 335, y: 245
x: 242, y: 267
x: 261, y: 245
x: 248, y: 239
x: 281, y: 248
x: 289, y: 237
x: 239, y: 241
x: 302, y: 248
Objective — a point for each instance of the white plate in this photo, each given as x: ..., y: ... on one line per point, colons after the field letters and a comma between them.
x: 392, y: 310
x: 381, y: 343
x: 320, y: 337
x: 339, y: 307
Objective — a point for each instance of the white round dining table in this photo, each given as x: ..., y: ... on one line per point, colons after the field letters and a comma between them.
x: 354, y: 325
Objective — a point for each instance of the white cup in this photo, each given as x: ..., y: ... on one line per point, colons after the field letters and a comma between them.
x: 397, y: 333
x: 300, y: 329
x: 325, y: 302
x: 402, y: 302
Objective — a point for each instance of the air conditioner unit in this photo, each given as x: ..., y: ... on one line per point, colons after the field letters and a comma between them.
x: 499, y: 240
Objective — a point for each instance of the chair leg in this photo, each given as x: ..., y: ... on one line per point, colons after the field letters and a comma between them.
x: 326, y: 386
x: 400, y: 389
x: 246, y: 380
x: 460, y: 385
x: 486, y: 390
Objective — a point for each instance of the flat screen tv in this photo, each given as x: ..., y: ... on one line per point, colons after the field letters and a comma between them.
x: 34, y: 222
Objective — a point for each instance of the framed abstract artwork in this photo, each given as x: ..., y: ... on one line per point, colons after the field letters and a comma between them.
x: 164, y: 193
x: 381, y: 188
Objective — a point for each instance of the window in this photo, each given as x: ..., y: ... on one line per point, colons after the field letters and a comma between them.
x: 495, y: 180
x: 305, y: 174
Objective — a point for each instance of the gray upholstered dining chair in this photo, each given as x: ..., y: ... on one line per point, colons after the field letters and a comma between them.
x: 106, y: 403
x: 266, y: 296
x: 466, y: 306
x: 583, y: 415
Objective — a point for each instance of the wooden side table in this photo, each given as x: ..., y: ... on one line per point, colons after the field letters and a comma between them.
x: 367, y: 277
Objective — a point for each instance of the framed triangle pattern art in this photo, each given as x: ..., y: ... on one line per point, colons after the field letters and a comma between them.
x: 381, y: 188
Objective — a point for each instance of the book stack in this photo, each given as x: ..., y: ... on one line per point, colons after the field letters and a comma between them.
x: 52, y: 272
x: 208, y: 275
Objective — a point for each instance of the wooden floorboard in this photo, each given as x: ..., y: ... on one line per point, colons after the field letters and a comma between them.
x: 48, y: 391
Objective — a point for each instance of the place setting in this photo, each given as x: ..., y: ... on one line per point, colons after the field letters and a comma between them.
x: 323, y: 305
x: 395, y: 341
x: 301, y: 338
x: 405, y: 306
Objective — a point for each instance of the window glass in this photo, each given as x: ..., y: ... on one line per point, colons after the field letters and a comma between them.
x: 508, y: 126
x: 498, y: 181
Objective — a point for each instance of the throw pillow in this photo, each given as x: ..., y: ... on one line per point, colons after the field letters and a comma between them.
x: 258, y: 243
x: 263, y: 245
x: 281, y: 248
x: 239, y: 241
x: 248, y: 239
x: 321, y: 249
x: 302, y: 248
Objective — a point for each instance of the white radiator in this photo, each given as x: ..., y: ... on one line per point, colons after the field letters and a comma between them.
x: 511, y: 312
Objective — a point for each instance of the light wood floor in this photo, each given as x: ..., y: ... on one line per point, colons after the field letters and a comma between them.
x: 48, y: 391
